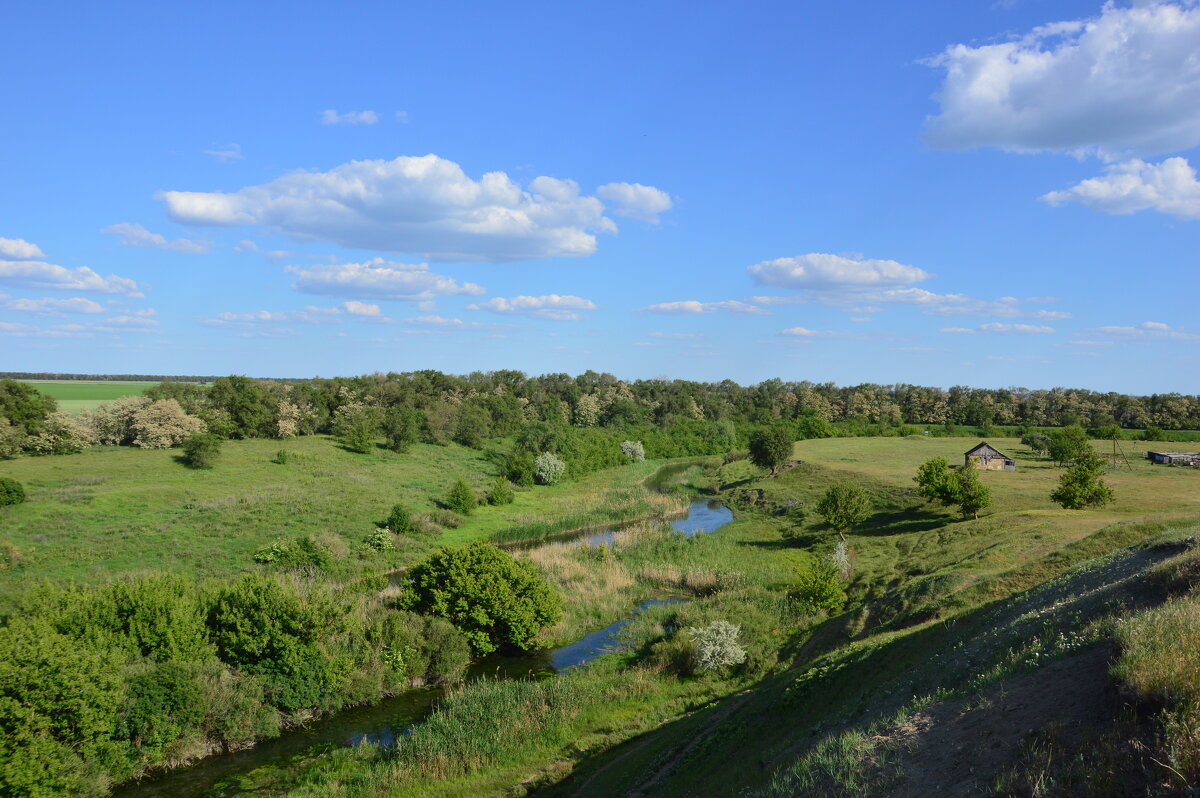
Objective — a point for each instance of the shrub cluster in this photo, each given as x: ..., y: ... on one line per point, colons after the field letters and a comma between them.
x: 96, y: 685
x: 11, y: 491
x: 490, y: 597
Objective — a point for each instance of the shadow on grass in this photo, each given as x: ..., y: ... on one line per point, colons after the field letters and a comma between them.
x: 904, y: 521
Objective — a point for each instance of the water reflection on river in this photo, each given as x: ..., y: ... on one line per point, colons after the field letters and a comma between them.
x: 269, y: 764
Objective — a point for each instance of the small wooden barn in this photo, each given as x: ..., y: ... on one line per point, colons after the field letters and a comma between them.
x: 1174, y: 458
x: 988, y: 458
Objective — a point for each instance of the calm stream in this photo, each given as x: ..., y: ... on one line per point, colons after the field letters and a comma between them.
x: 270, y: 762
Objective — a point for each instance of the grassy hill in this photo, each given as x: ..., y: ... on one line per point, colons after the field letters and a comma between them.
x: 983, y: 645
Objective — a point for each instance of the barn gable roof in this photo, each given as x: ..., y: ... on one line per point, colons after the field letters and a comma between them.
x: 985, y: 448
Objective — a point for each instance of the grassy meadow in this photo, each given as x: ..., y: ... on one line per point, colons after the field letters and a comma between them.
x: 825, y: 707
x: 110, y: 511
x: 942, y: 613
x: 75, y: 396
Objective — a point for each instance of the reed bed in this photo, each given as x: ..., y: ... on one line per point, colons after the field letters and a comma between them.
x: 611, y: 507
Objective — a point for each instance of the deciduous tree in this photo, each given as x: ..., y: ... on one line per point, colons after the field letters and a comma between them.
x: 843, y: 506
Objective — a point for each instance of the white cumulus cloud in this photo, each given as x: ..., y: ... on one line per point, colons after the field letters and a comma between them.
x: 425, y: 205
x: 134, y: 235
x: 859, y: 284
x: 1125, y: 81
x: 1168, y: 187
x: 1016, y: 329
x: 805, y: 333
x: 692, y: 306
x: 331, y: 117
x: 636, y: 201
x: 309, y: 315
x: 19, y: 249
x: 379, y: 279
x: 42, y: 275
x: 550, y: 306
x: 1002, y: 328
x: 1150, y: 331
x: 361, y: 309
x: 55, y: 306
x: 821, y: 271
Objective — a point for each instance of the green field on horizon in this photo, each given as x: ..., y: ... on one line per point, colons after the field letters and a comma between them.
x: 75, y: 396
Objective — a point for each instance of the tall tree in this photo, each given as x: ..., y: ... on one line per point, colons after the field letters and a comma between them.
x: 1081, y: 486
x: 844, y: 505
x: 771, y: 447
x: 969, y: 492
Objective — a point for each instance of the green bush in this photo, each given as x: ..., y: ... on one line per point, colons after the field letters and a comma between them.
x: 717, y: 647
x: 1081, y: 486
x: 281, y: 457
x: 446, y: 518
x: 268, y: 628
x: 1153, y: 434
x: 11, y: 491
x: 843, y: 506
x: 1067, y: 443
x: 59, y: 701
x: 237, y: 710
x: 201, y: 450
x: 419, y: 649
x: 159, y: 616
x: 1038, y: 442
x: 548, y: 468
x: 461, y: 498
x: 380, y: 540
x: 304, y: 554
x: 399, y: 520
x: 490, y: 597
x: 675, y: 655
x: 356, y: 424
x: 820, y: 587
x: 770, y: 448
x: 519, y: 469
x: 163, y: 702
x: 501, y: 492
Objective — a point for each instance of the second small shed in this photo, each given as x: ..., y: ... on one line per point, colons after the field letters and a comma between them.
x: 988, y: 458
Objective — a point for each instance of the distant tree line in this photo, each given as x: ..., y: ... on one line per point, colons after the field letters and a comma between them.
x: 582, y: 420
x: 596, y: 399
x: 45, y: 375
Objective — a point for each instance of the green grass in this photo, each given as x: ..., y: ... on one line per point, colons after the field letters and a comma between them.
x: 938, y: 604
x: 110, y: 511
x: 75, y: 396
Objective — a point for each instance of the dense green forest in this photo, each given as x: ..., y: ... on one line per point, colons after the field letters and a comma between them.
x: 673, y: 418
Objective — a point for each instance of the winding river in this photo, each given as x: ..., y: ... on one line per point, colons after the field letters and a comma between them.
x: 269, y: 764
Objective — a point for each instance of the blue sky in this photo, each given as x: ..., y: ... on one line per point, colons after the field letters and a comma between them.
x: 937, y: 193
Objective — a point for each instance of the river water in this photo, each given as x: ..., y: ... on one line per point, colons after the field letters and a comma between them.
x: 270, y: 763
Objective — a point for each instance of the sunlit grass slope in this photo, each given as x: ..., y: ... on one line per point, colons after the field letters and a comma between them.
x: 110, y: 511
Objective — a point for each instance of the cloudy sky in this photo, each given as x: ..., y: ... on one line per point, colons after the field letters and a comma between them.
x: 941, y: 193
